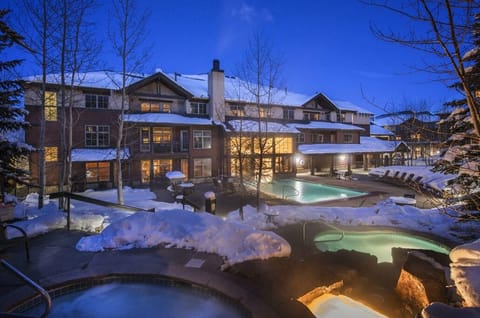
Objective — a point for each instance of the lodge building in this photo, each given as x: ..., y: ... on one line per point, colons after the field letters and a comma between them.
x: 205, y: 125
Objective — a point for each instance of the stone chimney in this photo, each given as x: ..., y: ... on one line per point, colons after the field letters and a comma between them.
x: 216, y: 92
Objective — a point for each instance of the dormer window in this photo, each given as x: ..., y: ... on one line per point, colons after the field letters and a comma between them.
x: 237, y: 110
x: 96, y: 101
x: 199, y: 108
x: 155, y: 107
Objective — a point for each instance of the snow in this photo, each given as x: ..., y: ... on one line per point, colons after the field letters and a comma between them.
x: 380, y: 131
x: 366, y: 145
x: 166, y: 118
x: 266, y: 126
x: 99, y: 79
x: 434, y: 180
x: 239, y: 240
x: 325, y: 125
x: 174, y: 175
x: 346, y: 105
x: 99, y: 154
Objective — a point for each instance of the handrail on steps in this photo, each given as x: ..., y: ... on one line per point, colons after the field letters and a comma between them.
x: 25, y: 236
x: 45, y: 295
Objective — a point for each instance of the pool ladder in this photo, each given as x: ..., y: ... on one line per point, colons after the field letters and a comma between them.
x: 286, y: 195
x: 340, y: 232
x: 43, y: 293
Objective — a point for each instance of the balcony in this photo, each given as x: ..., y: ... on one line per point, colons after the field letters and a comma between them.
x: 174, y: 147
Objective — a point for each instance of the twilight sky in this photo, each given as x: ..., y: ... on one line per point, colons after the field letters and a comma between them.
x: 326, y: 46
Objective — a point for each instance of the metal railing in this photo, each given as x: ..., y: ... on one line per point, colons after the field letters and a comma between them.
x: 340, y: 232
x: 43, y: 293
x: 25, y: 237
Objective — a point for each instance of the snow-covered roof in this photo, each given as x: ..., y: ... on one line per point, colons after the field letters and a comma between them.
x: 99, y: 79
x: 100, y: 154
x: 252, y: 126
x: 366, y: 145
x: 166, y: 118
x: 236, y: 90
x: 348, y: 106
x: 380, y: 131
x: 325, y: 125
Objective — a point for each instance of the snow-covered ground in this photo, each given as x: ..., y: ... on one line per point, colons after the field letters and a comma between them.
x: 236, y: 240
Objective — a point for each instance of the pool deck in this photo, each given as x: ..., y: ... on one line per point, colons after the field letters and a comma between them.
x: 255, y: 285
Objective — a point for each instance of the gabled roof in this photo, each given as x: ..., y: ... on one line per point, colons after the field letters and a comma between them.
x: 397, y: 118
x: 326, y: 125
x: 348, y: 106
x: 165, y: 80
x: 166, y: 118
x: 366, y: 145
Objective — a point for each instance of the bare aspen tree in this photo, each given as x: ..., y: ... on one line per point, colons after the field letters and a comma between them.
x: 127, y: 33
x: 261, y: 70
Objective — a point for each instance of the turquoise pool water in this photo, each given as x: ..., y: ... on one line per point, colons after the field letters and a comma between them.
x: 140, y: 300
x: 378, y: 243
x: 306, y: 192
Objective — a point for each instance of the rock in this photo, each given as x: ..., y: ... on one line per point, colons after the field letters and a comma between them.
x: 439, y: 310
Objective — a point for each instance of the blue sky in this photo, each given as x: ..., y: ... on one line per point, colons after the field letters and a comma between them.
x: 326, y: 46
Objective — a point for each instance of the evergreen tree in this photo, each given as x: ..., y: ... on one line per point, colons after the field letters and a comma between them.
x: 12, y: 117
x: 462, y: 150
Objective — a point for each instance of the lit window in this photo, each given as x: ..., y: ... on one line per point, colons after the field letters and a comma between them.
x: 283, y: 145
x: 263, y: 145
x: 161, y: 167
x: 199, y: 108
x: 162, y: 135
x: 152, y: 107
x: 262, y: 112
x: 51, y: 154
x: 97, y: 136
x: 202, y: 139
x: 97, y: 171
x: 51, y: 106
x: 145, y: 171
x: 241, y: 145
x: 96, y: 101
x: 237, y: 110
x: 202, y: 167
x: 311, y: 115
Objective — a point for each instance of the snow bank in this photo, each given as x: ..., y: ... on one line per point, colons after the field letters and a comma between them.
x: 465, y: 272
x: 178, y: 228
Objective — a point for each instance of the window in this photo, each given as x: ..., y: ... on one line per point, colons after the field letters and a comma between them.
x: 300, y: 138
x: 202, y: 139
x: 162, y: 135
x: 184, y: 140
x: 161, y: 167
x: 263, y: 145
x: 144, y: 139
x: 51, y: 106
x: 154, y: 107
x: 311, y: 116
x: 288, y: 113
x: 283, y: 164
x: 262, y: 112
x: 241, y: 145
x: 145, y: 171
x: 347, y: 139
x: 237, y: 110
x: 202, y: 167
x: 283, y: 145
x: 97, y: 136
x: 51, y: 154
x: 96, y: 101
x: 318, y: 138
x: 199, y: 108
x: 97, y: 171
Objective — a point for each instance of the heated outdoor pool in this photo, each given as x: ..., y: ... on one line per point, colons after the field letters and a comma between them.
x: 141, y: 300
x: 306, y: 192
x: 377, y: 243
